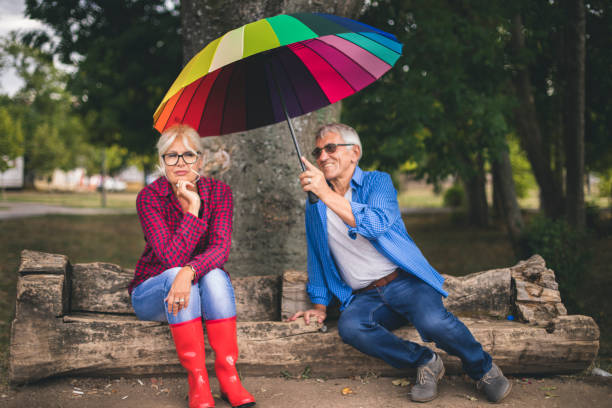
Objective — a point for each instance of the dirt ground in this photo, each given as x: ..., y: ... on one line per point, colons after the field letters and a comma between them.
x: 170, y: 392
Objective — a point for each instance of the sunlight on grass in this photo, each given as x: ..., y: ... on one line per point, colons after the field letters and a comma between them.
x: 79, y: 200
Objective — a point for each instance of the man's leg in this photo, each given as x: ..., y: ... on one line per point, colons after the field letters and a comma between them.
x: 422, y: 305
x: 366, y: 324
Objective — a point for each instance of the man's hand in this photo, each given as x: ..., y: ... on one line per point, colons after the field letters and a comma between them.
x: 319, y: 313
x: 313, y: 180
x: 178, y: 295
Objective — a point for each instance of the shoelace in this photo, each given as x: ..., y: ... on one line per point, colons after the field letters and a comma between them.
x: 421, y: 377
x: 485, y: 379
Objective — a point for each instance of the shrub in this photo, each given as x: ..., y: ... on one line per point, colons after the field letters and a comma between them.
x: 454, y: 196
x: 564, y: 250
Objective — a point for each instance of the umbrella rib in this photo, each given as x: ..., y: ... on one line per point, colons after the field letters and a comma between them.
x: 282, y: 65
x: 334, y: 68
x: 208, y: 98
x: 348, y: 56
x: 226, y: 98
x: 377, y: 42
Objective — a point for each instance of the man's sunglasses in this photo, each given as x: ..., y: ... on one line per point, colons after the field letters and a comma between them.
x: 329, y: 149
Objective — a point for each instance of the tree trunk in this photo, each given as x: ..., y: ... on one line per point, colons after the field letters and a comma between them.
x: 261, y: 165
x: 574, y: 112
x: 551, y: 193
x: 508, y: 204
x: 475, y: 192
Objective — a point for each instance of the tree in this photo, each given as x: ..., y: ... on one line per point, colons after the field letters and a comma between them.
x: 263, y: 169
x: 53, y: 134
x: 444, y: 108
x: 11, y: 139
x: 127, y: 53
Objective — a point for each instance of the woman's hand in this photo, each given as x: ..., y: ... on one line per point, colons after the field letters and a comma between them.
x: 178, y: 296
x: 319, y: 313
x: 188, y: 191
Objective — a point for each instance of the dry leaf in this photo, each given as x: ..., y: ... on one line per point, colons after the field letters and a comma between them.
x: 401, y: 382
x: 346, y: 391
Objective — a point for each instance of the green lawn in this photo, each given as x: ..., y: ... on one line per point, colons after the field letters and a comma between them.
x: 80, y: 200
x: 451, y: 246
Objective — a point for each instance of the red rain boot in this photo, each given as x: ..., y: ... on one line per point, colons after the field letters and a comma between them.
x: 222, y: 338
x: 189, y: 342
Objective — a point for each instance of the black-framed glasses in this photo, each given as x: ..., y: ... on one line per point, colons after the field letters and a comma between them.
x: 171, y: 159
x: 329, y: 148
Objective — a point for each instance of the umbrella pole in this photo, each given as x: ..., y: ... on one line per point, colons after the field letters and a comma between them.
x: 312, y: 197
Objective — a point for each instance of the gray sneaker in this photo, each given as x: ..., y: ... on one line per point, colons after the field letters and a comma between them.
x: 494, y: 385
x: 428, y: 376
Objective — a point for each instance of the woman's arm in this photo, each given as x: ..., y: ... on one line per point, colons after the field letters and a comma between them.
x: 172, y: 249
x: 219, y: 233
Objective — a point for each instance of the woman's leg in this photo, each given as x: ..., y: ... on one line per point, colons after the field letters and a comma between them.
x: 186, y: 327
x: 219, y: 310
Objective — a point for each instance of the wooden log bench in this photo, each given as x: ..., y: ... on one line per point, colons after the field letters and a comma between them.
x: 78, y: 320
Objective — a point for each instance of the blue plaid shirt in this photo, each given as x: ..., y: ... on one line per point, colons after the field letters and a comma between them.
x: 377, y: 218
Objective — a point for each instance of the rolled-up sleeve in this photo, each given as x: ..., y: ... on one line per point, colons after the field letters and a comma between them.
x: 381, y: 211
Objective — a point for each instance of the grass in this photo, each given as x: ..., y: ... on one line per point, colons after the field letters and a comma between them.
x: 453, y: 248
x: 79, y: 200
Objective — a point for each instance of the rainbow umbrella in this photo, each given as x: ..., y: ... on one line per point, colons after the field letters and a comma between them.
x: 273, y: 69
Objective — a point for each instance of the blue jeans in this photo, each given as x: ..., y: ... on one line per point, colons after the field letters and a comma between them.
x: 367, y: 322
x: 212, y: 297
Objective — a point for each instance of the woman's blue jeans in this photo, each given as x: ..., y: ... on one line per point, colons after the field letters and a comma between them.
x: 368, y: 321
x: 212, y: 297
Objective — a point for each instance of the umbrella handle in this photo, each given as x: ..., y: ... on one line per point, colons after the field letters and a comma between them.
x: 312, y: 198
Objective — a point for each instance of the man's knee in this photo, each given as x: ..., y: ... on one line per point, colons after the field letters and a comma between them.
x: 433, y: 325
x: 352, y: 331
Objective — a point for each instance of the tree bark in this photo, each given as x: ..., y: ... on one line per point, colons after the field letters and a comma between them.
x: 551, y: 192
x: 506, y: 196
x: 261, y: 165
x: 75, y: 321
x: 574, y: 112
x: 476, y: 195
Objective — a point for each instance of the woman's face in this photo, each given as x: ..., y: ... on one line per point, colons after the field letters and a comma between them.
x: 181, y: 170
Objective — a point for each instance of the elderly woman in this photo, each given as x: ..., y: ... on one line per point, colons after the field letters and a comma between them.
x: 187, y: 224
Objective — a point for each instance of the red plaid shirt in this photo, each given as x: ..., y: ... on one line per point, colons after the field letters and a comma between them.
x: 174, y: 238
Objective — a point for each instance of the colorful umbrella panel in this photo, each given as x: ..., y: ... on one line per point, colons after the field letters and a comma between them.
x: 315, y: 59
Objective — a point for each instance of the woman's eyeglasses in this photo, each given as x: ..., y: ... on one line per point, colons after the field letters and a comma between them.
x: 329, y: 148
x: 171, y: 159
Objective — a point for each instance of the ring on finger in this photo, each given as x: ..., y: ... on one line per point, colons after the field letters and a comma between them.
x: 308, y: 180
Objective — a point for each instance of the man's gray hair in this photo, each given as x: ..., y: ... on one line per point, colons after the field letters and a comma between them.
x: 347, y: 133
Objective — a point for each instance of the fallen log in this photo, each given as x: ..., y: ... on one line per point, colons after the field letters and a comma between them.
x: 77, y: 320
x: 527, y: 291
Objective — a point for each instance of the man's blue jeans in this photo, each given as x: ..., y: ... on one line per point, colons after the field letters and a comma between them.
x: 212, y: 297
x: 367, y: 322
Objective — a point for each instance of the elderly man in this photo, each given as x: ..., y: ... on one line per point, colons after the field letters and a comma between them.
x: 359, y: 252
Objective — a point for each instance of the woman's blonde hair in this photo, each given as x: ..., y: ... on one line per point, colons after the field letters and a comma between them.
x: 191, y: 140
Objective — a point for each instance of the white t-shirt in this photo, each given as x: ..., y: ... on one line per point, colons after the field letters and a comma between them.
x: 358, y: 262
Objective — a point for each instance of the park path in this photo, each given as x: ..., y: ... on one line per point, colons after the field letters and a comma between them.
x: 9, y: 209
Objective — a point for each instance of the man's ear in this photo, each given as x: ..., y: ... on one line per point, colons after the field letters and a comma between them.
x: 357, y: 151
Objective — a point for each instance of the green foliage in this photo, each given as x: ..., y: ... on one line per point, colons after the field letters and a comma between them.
x: 454, y: 196
x: 11, y: 139
x: 54, y: 136
x: 127, y: 54
x: 521, y: 169
x: 564, y: 249
x: 443, y: 106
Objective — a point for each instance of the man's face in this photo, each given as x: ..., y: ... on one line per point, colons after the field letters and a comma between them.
x: 339, y: 164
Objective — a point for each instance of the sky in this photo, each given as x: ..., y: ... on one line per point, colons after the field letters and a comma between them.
x: 12, y: 18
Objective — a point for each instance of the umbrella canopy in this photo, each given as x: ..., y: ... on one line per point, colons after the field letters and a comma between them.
x: 314, y: 59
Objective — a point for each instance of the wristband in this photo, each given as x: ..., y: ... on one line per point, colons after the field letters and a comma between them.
x: 192, y: 270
